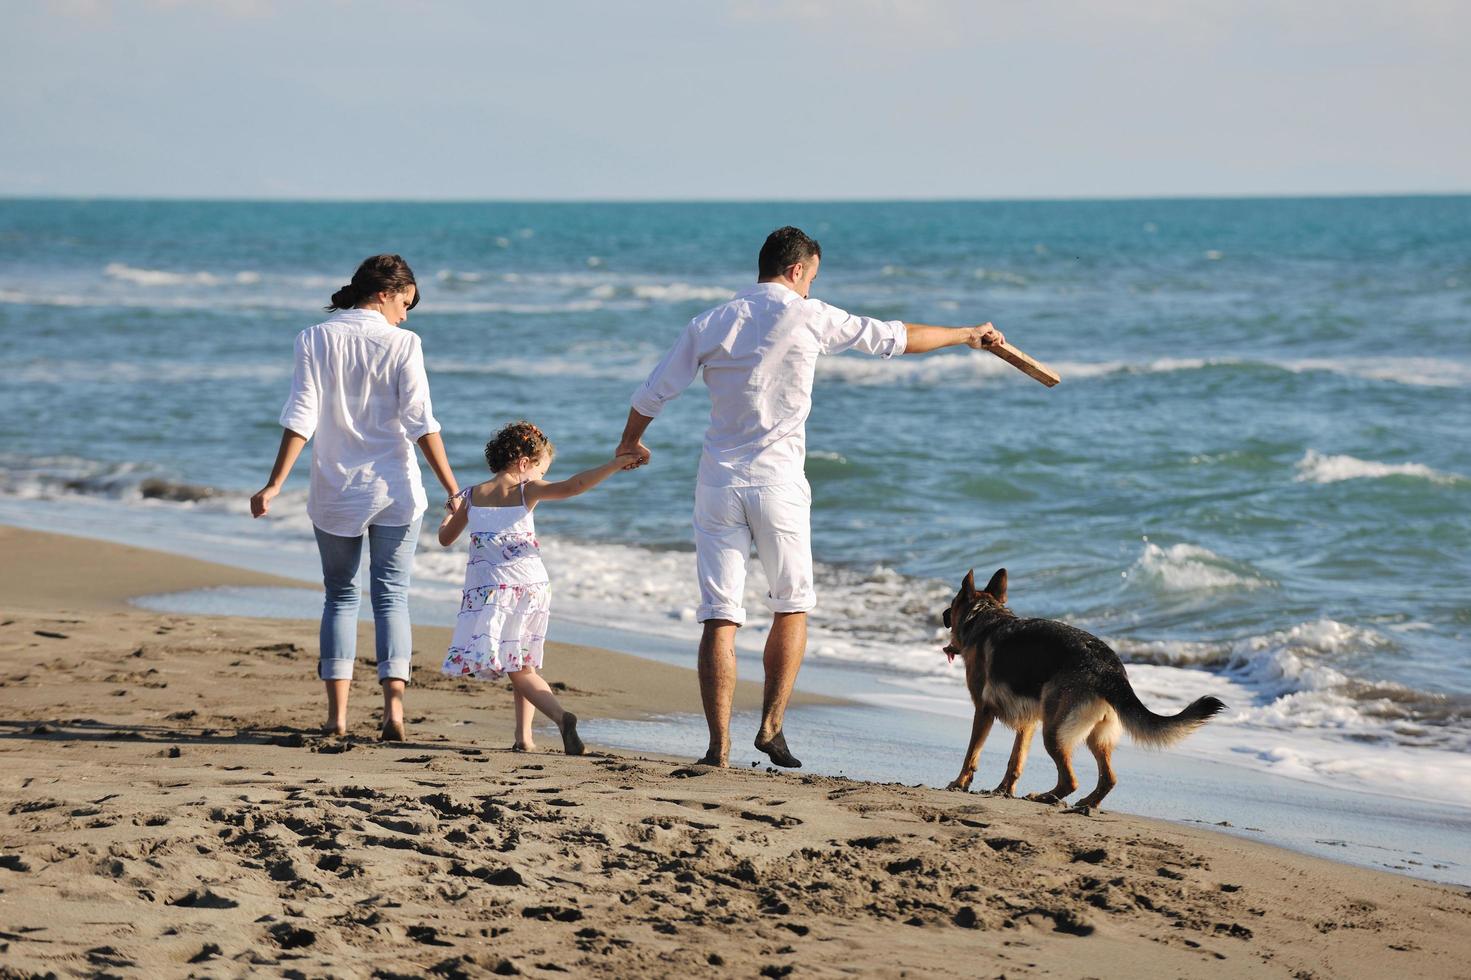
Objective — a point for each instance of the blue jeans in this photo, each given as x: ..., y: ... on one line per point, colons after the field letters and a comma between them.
x: 390, y: 560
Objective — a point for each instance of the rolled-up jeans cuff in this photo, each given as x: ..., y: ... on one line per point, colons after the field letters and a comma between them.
x: 334, y: 669
x: 397, y: 670
x: 734, y: 614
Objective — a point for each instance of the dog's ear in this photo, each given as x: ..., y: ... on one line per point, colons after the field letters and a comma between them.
x: 997, y: 586
x: 946, y: 617
x: 968, y: 585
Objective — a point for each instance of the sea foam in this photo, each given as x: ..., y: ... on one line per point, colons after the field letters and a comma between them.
x: 1190, y: 568
x: 1316, y: 467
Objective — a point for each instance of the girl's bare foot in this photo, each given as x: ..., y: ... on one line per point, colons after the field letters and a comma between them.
x: 571, y: 744
x: 523, y: 746
x: 393, y: 731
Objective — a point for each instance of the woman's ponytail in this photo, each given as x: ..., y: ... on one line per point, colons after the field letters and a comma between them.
x: 345, y: 298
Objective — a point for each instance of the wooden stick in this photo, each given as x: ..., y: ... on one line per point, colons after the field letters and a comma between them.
x: 1025, y: 364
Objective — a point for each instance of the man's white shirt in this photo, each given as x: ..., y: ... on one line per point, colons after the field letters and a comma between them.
x: 759, y: 354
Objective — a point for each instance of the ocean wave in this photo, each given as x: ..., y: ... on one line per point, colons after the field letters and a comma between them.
x: 1190, y: 568
x: 255, y: 300
x: 154, y: 372
x: 453, y: 277
x: 1428, y: 372
x: 977, y: 366
x: 631, y: 371
x: 49, y: 477
x: 159, y: 277
x: 682, y: 292
x: 969, y: 367
x: 1316, y: 467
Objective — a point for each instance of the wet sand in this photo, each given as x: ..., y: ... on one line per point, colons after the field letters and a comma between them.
x: 166, y: 810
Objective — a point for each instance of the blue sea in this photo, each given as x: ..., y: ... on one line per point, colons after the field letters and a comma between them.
x: 1253, y: 481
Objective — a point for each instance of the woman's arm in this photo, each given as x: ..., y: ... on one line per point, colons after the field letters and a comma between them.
x: 291, y: 446
x: 581, y: 482
x: 433, y: 449
x: 454, y: 522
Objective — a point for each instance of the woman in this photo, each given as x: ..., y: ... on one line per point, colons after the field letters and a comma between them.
x: 360, y: 389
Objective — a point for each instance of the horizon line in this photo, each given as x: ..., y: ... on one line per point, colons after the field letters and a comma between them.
x: 1263, y: 196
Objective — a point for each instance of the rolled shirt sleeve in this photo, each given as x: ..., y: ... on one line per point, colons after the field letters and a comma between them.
x: 302, y: 408
x: 843, y: 331
x: 415, y: 410
x: 671, y: 376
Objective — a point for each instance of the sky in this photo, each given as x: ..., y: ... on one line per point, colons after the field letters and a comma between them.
x: 732, y: 99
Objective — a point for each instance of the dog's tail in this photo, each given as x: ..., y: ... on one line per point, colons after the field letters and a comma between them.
x: 1157, y: 731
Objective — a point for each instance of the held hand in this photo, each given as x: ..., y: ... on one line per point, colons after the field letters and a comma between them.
x: 260, y: 504
x: 453, y: 503
x: 983, y: 336
x: 638, y: 451
x: 627, y: 461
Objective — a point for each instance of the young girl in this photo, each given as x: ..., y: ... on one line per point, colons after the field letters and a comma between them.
x: 507, y: 598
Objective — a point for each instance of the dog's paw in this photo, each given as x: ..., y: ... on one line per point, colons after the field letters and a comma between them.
x: 1049, y: 799
x: 959, y: 785
x: 1003, y: 791
x: 1082, y: 809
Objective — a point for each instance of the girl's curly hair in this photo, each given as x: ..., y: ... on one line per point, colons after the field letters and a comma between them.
x: 514, y: 441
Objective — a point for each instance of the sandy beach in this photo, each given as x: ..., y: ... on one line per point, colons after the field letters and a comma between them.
x: 166, y: 810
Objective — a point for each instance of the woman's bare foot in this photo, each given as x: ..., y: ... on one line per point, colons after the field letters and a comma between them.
x: 332, y: 730
x: 393, y: 731
x: 776, y: 747
x: 571, y: 744
x: 523, y: 746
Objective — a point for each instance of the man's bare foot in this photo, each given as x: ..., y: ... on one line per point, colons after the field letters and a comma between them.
x: 393, y: 731
x: 776, y: 748
x: 712, y: 759
x: 571, y: 744
x: 334, y: 731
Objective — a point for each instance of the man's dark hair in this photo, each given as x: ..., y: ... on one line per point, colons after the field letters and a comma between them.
x: 784, y: 248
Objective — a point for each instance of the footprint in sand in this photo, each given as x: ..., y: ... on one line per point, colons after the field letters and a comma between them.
x: 552, y: 913
x: 426, y: 935
x: 503, y: 876
x: 202, y: 898
x: 404, y: 823
x: 288, y: 936
x: 689, y: 804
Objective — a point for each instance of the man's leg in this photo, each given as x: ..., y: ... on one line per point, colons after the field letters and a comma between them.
x: 717, y: 686
x: 722, y: 544
x: 781, y: 526
x: 785, y: 646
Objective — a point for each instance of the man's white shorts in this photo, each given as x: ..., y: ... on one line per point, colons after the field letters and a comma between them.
x: 778, y: 519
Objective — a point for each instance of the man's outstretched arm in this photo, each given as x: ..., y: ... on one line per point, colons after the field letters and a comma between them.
x: 632, y: 441
x: 922, y: 338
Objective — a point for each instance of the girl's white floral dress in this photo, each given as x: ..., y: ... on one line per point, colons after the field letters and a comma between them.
x: 507, y: 600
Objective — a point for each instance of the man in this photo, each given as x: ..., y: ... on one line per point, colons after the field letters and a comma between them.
x: 758, y: 353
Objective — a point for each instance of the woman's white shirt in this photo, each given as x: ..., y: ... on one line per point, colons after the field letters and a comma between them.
x: 359, y: 389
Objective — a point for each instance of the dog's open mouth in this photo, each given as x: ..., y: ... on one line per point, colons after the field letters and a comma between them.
x: 950, y: 653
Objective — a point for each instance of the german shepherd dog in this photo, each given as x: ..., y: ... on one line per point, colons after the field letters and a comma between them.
x: 1027, y: 672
